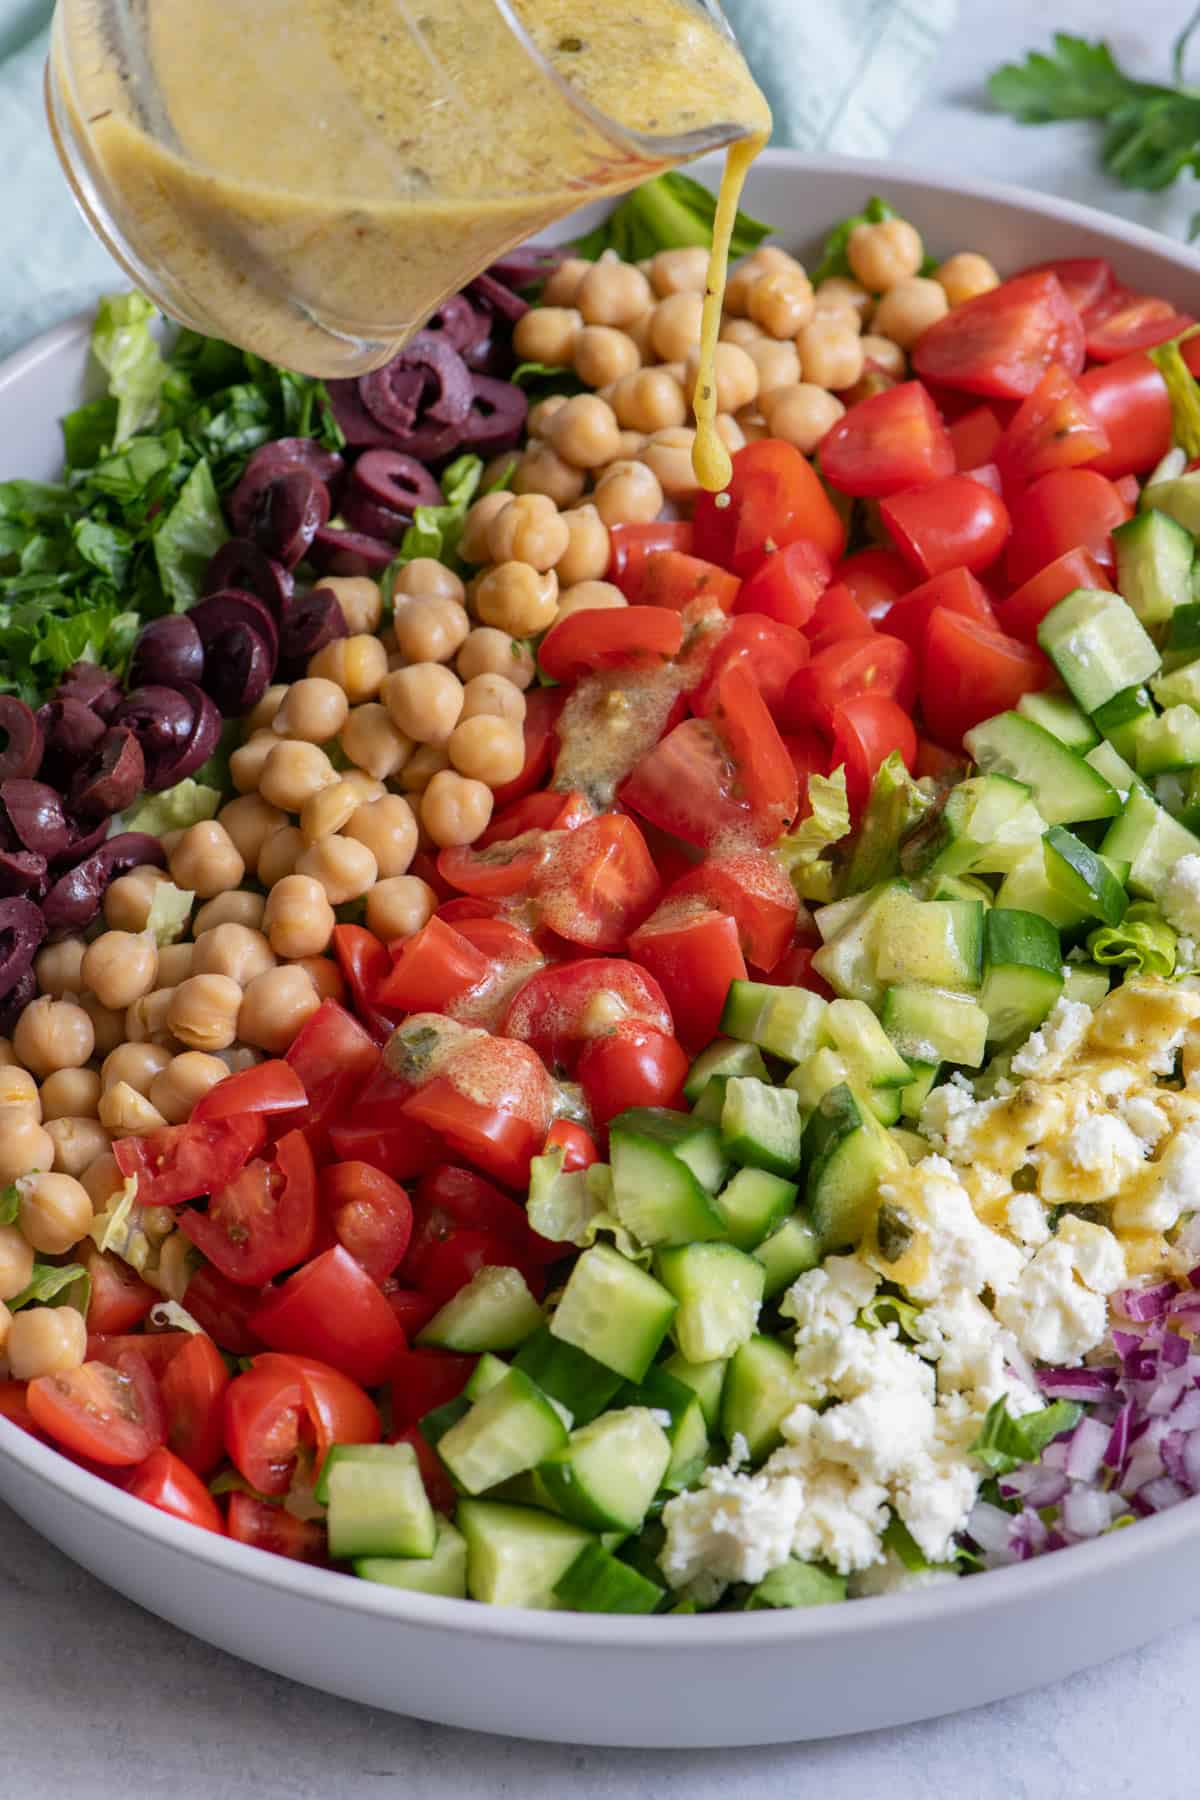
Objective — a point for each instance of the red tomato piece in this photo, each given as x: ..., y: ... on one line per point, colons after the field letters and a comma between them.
x: 627, y: 637
x: 1023, y: 611
x: 598, y: 885
x: 1129, y: 397
x: 971, y: 673
x: 430, y: 969
x: 119, y: 1298
x: 546, y: 811
x: 1129, y: 489
x: 876, y: 578
x: 943, y: 766
x: 631, y: 545
x: 957, y: 590
x: 693, y: 955
x: 223, y: 1309
x: 182, y: 1162
x: 865, y: 732
x: 425, y: 1379
x: 1055, y: 427
x: 333, y: 1056
x: 888, y: 442
x: 1122, y: 321
x: 1084, y: 279
x: 957, y: 523
x: 1000, y: 342
x: 542, y: 707
x: 975, y: 436
x: 402, y: 1149
x: 264, y: 1220
x: 499, y: 1138
x: 158, y: 1349
x: 365, y: 964
x: 879, y: 664
x: 765, y: 773
x: 769, y: 652
x: 787, y: 584
x: 837, y: 616
x: 457, y: 1259
x: 193, y: 1393
x: 773, y: 498
x: 559, y: 1010
x: 14, y: 1408
x: 371, y: 1214
x: 167, y: 1483
x: 577, y: 1145
x: 332, y: 1309
x: 449, y: 1200
x: 110, y: 1415
x: 412, y: 1311
x: 754, y: 888
x: 809, y: 751
x: 267, y: 1527
x: 632, y: 1066
x: 269, y: 1087
x: 687, y: 785
x: 672, y: 581
x: 1069, y: 509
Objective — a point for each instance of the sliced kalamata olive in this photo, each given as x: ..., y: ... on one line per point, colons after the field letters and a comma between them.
x: 441, y: 392
x: 429, y: 441
x: 486, y: 290
x: 242, y: 565
x: 35, y: 812
x: 70, y: 732
x: 490, y: 356
x: 311, y: 621
x: 16, y: 1000
x: 497, y: 414
x: 398, y: 482
x: 337, y: 552
x: 22, y: 872
x: 22, y: 929
x: 457, y: 323
x: 22, y: 737
x: 357, y: 425
x: 206, y: 731
x: 86, y: 836
x: 218, y: 613
x: 375, y: 521
x: 279, y: 509
x: 75, y: 899
x: 167, y: 651
x: 93, y: 686
x: 112, y: 776
x: 526, y: 264
x: 299, y: 453
x: 237, y: 669
x: 162, y: 719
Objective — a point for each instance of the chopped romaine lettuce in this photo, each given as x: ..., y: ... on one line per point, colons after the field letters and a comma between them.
x: 124, y: 345
x: 574, y: 1207
x: 826, y: 823
x: 55, y: 1284
x: 1004, y: 1443
x: 667, y: 213
x: 10, y: 1204
x: 170, y: 910
x: 189, y: 802
x: 897, y: 804
x: 192, y: 531
x: 1183, y: 390
x: 436, y: 530
x: 1143, y: 941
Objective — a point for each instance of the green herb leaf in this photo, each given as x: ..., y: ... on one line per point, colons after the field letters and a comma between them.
x: 435, y: 530
x: 668, y: 213
x: 10, y: 1204
x: 50, y: 1285
x: 833, y: 254
x: 796, y: 1584
x: 1143, y: 941
x: 1005, y: 1443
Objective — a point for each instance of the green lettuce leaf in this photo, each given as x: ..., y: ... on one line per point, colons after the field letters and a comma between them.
x: 1143, y: 941
x: 668, y: 213
x: 541, y: 379
x: 796, y: 1584
x: 191, y: 533
x: 435, y: 530
x: 55, y: 1284
x: 897, y: 804
x: 826, y: 823
x: 1004, y: 1443
x: 123, y: 345
x: 170, y: 910
x: 10, y: 1204
x: 903, y: 1545
x: 1183, y: 389
x: 890, y: 1309
x: 189, y: 802
x: 833, y: 253
x: 575, y: 1207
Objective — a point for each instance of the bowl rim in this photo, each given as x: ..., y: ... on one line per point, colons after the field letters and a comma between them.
x: 892, y: 1615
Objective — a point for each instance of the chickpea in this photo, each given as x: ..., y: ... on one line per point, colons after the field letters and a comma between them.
x: 278, y: 855
x: 388, y: 828
x: 249, y: 821
x: 247, y: 762
x: 274, y: 1007
x: 127, y: 900
x: 473, y: 544
x: 587, y: 553
x: 742, y: 332
x: 134, y: 1064
x: 102, y: 1179
x: 146, y: 1019
x: 432, y: 630
x: 778, y: 365
x: 55, y: 1212
x: 562, y: 284
x: 108, y: 1027
x: 679, y: 271
x: 399, y: 906
x: 313, y: 710
x: 740, y: 283
x: 493, y: 695
x: 542, y: 470
x: 204, y: 1011
x: 424, y: 701
x: 59, y: 968
x: 736, y: 377
x: 237, y: 951
x: 261, y: 714
x: 370, y: 740
x: 18, y: 1088
x: 603, y: 354
x: 329, y: 810
x: 343, y: 866
x: 126, y: 1113
x: 675, y: 328
x: 424, y: 578
x: 613, y: 293
x: 632, y: 445
x: 801, y: 415
x: 299, y: 920
x: 325, y: 976
x: 584, y: 432
x: 487, y: 651
x: 46, y: 1340
x: 206, y: 860
x: 70, y: 1094
x: 838, y: 294
x: 77, y: 1143
x: 628, y: 493
x: 548, y: 334
x: 729, y: 431
x: 539, y: 417
x: 291, y: 773
x: 421, y: 768
x: 486, y: 749
x: 881, y: 255
x: 230, y: 909
x: 174, y: 964
x: 529, y: 531
x: 669, y: 455
x: 16, y: 1262
x: 185, y: 1080
x: 651, y: 400
x: 121, y: 966
x: 781, y: 303
x: 965, y: 276
x: 831, y: 354
x: 455, y: 809
x: 909, y: 308
x: 884, y: 356
x: 53, y: 1034
x: 355, y: 664
x: 515, y: 598
x: 24, y: 1143
x: 360, y: 600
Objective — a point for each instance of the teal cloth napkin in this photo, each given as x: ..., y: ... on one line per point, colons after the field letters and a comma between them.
x: 840, y: 75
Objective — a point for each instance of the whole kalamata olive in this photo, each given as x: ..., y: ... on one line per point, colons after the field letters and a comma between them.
x: 112, y: 777
x: 238, y: 667
x: 22, y: 752
x: 167, y: 651
x: 311, y: 621
x: 75, y: 899
x: 22, y: 929
x: 95, y: 687
x: 161, y: 718
x: 242, y: 565
x: 35, y: 812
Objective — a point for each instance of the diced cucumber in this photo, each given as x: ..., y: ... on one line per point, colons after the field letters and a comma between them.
x: 1154, y: 564
x: 847, y: 959
x: 706, y: 1380
x: 985, y: 824
x: 606, y: 1474
x: 1181, y: 687
x: 1122, y: 717
x: 970, y: 887
x: 495, y: 1311
x: 924, y: 1078
x: 935, y: 943
x: 788, y: 1252
x: 679, y: 1412
x: 1183, y: 637
x: 1085, y: 982
x: 724, y: 1057
x: 1150, y: 841
x: 1023, y: 973
x: 598, y: 1582
x: 377, y: 1502
x: 614, y: 1311
x: 444, y: 1573
x: 753, y: 1204
x: 719, y: 1290
x: 782, y: 1020
x: 1171, y: 740
x: 514, y: 1427
x: 914, y: 1146
x: 1058, y: 714
x: 761, y: 1388
x: 656, y: 1196
x: 516, y: 1555
x: 761, y: 1127
x: 1065, y: 788
x: 696, y: 1145
x: 848, y: 1152
x: 1107, y: 761
x: 1027, y: 889
x: 1178, y: 497
x: 857, y: 1035
x: 1184, y: 803
x: 435, y: 1424
x: 795, y: 1584
x: 838, y: 914
x: 488, y: 1372
x: 1083, y: 879
x: 1098, y: 645
x: 577, y: 1381
x: 936, y: 1025
x: 823, y: 1070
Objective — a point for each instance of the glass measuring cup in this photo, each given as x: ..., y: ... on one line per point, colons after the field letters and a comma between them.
x: 312, y: 178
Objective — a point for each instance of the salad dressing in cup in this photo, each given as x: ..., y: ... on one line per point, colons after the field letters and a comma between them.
x: 312, y: 178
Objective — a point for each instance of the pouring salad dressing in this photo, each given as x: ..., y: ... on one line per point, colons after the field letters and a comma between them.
x: 311, y: 178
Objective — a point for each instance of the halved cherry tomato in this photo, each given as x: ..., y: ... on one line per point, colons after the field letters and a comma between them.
x: 365, y: 963
x: 956, y: 523
x: 577, y: 1145
x: 451, y: 1264
x: 876, y: 577
x: 865, y: 733
x: 545, y: 811
x: 773, y: 498
x: 989, y: 476
x: 412, y: 1311
x: 267, y: 1527
x: 371, y: 1214
x: 559, y: 1010
x: 269, y: 1087
x: 1069, y: 509
x: 424, y: 1379
x: 809, y: 750
x: 157, y: 1349
x: 1084, y: 279
x: 632, y: 1066
x: 264, y: 1220
x: 14, y: 1408
x: 193, y: 1393
x: 500, y: 1135
x: 402, y: 1149
x: 787, y: 584
x: 599, y: 885
x: 496, y: 866
x: 182, y: 1162
x: 765, y: 774
x: 119, y: 1298
x: 223, y: 1309
x: 448, y: 1200
x: 333, y: 1056
x: 971, y: 673
x: 627, y: 637
x: 1122, y: 321
x: 111, y: 1415
x: 879, y: 664
x: 1129, y: 397
x: 957, y: 590
x: 672, y: 581
x: 769, y: 652
x: 631, y: 545
x: 1023, y: 611
x: 431, y: 968
x: 754, y: 888
x: 1000, y: 342
x: 167, y: 1483
x: 888, y: 442
x: 438, y: 1485
x: 687, y: 786
x: 975, y: 436
x: 542, y: 707
x: 1055, y: 427
x: 332, y: 1309
x: 836, y: 617
x: 693, y: 956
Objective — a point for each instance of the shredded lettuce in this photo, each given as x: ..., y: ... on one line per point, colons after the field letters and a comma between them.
x: 435, y: 530
x: 170, y: 910
x: 797, y: 1584
x: 55, y: 1284
x: 668, y: 213
x: 826, y: 823
x: 187, y: 803
x: 10, y: 1204
x: 1004, y: 1443
x: 1143, y: 941
x: 541, y: 379
x: 904, y: 1547
x: 1183, y: 390
x: 897, y: 804
x: 890, y: 1309
x: 192, y: 531
x: 576, y: 1206
x: 121, y: 1229
x: 124, y: 345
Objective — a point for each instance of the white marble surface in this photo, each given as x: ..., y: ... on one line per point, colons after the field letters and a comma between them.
x: 100, y: 1701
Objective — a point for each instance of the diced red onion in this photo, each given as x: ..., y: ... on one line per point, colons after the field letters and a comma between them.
x: 1146, y: 1303
x: 1162, y: 1493
x: 1191, y: 1460
x: 1085, y: 1451
x: 990, y: 1526
x: 1086, y: 1385
x: 1086, y: 1512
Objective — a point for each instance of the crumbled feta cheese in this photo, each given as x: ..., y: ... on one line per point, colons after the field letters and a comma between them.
x: 1145, y: 1021
x: 1026, y: 1217
x: 963, y: 1255
x: 732, y: 1527
x: 1051, y: 1048
x: 832, y: 1295
x: 1168, y: 1189
x: 972, y: 1352
x: 1105, y: 1147
x: 1098, y: 1257
x: 953, y: 1100
x: 1145, y: 1118
x: 1180, y: 898
x: 1055, y: 1312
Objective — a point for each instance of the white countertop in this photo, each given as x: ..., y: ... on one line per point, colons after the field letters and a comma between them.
x: 101, y: 1700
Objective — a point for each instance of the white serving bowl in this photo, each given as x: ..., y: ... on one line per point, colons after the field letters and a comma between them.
x: 663, y: 1682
